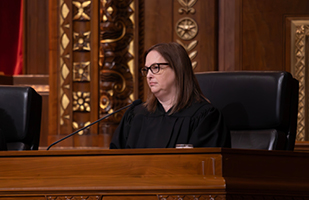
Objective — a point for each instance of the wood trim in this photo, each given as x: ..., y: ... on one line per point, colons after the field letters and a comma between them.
x: 6, y: 80
x: 94, y: 86
x: 302, y: 146
x: 53, y: 66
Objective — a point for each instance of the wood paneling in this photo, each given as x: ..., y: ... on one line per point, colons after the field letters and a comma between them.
x: 163, y: 16
x: 36, y: 37
x: 264, y: 32
x: 53, y: 67
x: 229, y: 48
x: 302, y: 146
x: 158, y: 22
x: 35, y: 56
x: 206, y: 16
x: 252, y: 33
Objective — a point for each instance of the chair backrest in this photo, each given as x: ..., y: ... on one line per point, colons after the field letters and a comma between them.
x: 20, y: 117
x: 260, y: 107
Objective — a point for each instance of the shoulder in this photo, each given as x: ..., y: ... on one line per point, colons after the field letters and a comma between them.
x: 139, y: 109
x: 135, y: 110
x: 197, y: 109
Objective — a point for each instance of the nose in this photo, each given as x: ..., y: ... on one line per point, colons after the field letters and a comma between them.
x: 149, y: 74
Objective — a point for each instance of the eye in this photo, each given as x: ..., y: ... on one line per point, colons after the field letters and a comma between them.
x: 155, y: 67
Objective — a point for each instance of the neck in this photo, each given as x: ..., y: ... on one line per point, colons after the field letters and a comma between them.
x: 167, y: 104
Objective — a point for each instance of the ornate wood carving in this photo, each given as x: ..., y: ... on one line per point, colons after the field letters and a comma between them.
x: 74, y: 65
x: 81, y: 81
x: 187, y: 6
x: 65, y: 60
x: 115, y: 78
x: 299, y: 64
x: 94, y: 69
x: 187, y: 28
x: 160, y: 197
x: 191, y: 197
x: 70, y: 197
x: 140, y: 59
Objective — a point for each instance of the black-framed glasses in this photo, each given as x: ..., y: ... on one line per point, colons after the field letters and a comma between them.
x: 154, y: 68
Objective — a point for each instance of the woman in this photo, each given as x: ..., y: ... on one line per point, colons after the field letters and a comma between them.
x: 176, y: 112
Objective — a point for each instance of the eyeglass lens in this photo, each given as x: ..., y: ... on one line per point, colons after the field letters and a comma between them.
x: 154, y: 68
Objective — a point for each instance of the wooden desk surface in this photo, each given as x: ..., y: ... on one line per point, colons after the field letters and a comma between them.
x: 198, y: 173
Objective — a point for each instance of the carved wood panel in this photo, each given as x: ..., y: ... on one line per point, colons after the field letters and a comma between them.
x: 94, y: 72
x: 74, y: 197
x: 192, y: 197
x: 298, y: 43
x: 191, y: 23
x: 115, y: 77
x: 195, y: 25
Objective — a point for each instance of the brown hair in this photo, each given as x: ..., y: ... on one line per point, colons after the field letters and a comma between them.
x: 188, y: 88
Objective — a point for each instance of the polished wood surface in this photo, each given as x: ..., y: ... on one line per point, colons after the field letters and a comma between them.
x: 153, y: 174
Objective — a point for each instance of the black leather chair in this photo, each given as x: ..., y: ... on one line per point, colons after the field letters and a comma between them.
x: 20, y: 118
x: 260, y: 107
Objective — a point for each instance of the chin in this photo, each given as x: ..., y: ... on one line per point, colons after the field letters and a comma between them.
x: 154, y: 91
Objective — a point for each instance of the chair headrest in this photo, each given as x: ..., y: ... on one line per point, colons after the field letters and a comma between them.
x: 249, y: 99
x: 17, y: 105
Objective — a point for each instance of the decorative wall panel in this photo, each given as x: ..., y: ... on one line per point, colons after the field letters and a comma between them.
x: 81, y: 68
x: 139, y: 58
x: 65, y: 59
x: 94, y: 68
x: 186, y: 28
x: 115, y: 77
x: 192, y: 197
x: 299, y: 69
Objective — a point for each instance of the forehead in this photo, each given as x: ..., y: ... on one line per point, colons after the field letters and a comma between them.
x: 154, y: 57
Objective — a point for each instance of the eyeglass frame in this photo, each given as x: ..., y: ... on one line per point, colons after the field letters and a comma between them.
x: 149, y: 68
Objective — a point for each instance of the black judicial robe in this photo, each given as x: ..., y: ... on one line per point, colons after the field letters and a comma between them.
x: 201, y: 124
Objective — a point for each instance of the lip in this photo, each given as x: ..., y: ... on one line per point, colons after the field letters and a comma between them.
x: 152, y: 83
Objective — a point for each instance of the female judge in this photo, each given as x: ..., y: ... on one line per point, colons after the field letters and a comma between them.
x: 176, y: 112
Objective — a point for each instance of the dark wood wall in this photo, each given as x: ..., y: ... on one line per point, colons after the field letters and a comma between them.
x: 231, y: 35
x: 36, y: 37
x: 252, y: 33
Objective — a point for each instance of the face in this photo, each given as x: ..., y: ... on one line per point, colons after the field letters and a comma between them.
x: 161, y: 84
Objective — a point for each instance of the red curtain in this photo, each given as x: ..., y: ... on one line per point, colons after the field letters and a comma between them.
x: 11, y: 27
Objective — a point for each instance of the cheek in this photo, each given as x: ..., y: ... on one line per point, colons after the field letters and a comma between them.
x: 170, y: 81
